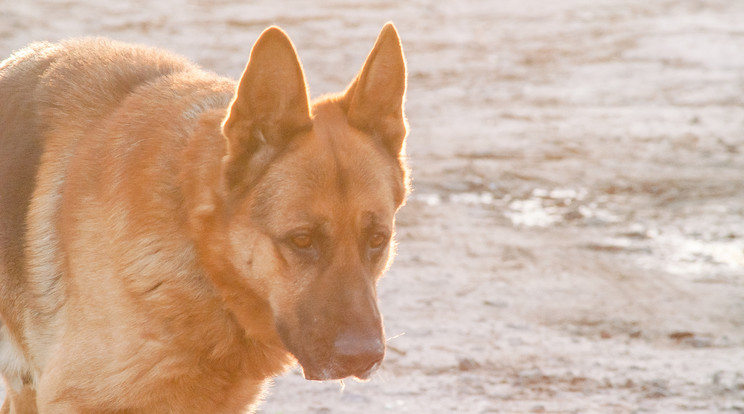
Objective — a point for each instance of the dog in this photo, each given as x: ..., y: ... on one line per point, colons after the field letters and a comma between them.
x: 171, y: 240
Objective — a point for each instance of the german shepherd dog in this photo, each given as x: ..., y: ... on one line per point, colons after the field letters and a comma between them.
x: 170, y: 240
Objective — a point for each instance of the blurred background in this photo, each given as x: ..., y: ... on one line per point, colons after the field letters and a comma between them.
x: 575, y: 239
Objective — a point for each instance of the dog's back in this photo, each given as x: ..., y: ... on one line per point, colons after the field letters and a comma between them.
x: 51, y: 95
x: 59, y: 90
x: 44, y: 88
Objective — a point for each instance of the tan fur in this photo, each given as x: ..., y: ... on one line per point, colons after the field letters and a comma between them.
x: 155, y: 223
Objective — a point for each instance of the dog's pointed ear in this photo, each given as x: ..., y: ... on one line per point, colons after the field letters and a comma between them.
x: 271, y: 103
x: 375, y: 98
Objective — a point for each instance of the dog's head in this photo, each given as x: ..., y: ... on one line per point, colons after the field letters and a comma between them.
x: 309, y: 194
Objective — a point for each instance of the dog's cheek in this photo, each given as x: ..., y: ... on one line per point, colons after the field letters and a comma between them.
x: 247, y: 256
x: 280, y: 279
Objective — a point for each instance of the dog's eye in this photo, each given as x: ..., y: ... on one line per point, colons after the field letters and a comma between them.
x: 302, y: 241
x: 377, y: 240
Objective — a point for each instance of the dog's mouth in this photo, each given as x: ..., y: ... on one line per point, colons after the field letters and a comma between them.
x: 336, y: 370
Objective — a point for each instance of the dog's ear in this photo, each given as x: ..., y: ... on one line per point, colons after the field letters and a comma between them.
x: 271, y: 102
x: 375, y: 98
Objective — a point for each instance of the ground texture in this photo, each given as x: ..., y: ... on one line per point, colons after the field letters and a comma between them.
x: 575, y: 241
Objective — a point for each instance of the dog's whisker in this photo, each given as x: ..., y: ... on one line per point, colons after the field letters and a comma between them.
x: 394, y: 337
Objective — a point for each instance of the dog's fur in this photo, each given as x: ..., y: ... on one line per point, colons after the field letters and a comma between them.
x: 170, y: 239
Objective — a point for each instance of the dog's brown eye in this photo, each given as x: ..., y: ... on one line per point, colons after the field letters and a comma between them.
x: 377, y: 240
x: 303, y: 241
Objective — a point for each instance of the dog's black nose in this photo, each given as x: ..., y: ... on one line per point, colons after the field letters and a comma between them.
x: 359, y: 354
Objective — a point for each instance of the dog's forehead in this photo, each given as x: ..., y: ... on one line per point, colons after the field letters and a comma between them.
x: 335, y: 169
x: 338, y: 155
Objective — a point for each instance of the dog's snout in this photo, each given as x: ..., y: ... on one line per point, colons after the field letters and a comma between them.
x: 360, y: 354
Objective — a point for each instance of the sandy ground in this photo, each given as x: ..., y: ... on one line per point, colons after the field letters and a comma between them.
x: 575, y: 241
